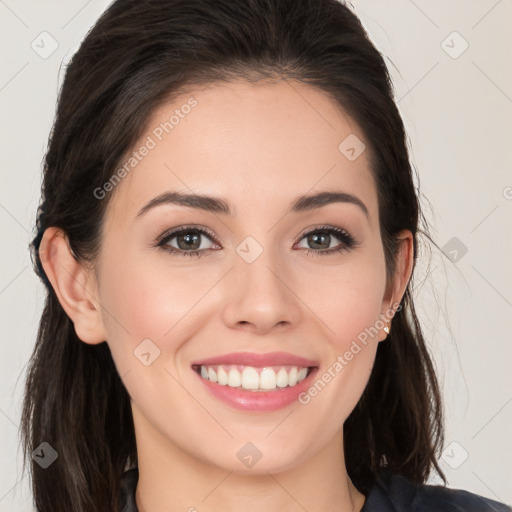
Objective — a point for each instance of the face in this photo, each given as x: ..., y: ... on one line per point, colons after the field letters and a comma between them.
x: 264, y: 293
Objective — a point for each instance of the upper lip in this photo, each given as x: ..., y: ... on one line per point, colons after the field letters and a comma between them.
x: 258, y: 360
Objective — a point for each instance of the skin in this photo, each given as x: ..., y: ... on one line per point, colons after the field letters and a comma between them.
x: 257, y: 146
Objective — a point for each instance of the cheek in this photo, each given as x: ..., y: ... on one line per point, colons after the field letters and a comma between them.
x: 349, y: 308
x: 152, y: 307
x: 141, y: 302
x: 348, y: 298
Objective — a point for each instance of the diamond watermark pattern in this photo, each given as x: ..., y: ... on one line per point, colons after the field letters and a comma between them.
x: 454, y: 249
x: 454, y: 45
x: 455, y: 455
x: 249, y: 455
x: 249, y: 249
x: 147, y: 352
x: 352, y: 147
x: 44, y: 455
x: 45, y: 45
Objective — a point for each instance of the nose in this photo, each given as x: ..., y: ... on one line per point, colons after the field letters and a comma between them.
x: 260, y: 296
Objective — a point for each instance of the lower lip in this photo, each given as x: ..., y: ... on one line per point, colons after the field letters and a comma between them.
x: 260, y: 401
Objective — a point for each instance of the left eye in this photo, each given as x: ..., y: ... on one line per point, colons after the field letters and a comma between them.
x: 321, y: 238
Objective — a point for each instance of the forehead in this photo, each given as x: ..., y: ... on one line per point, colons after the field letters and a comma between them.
x: 252, y: 143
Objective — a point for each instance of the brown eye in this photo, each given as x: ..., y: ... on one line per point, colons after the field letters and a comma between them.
x: 188, y: 241
x: 323, y: 240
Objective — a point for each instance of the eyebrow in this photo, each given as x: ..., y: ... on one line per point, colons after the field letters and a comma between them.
x: 217, y: 205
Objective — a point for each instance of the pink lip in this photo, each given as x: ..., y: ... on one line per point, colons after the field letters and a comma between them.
x: 258, y: 401
x: 258, y: 360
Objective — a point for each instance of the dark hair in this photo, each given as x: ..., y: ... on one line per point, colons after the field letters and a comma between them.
x: 138, y: 56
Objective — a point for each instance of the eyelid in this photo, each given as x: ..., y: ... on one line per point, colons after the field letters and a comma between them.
x: 166, y: 235
x: 323, y: 227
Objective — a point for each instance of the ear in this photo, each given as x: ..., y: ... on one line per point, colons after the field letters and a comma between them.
x: 396, y: 287
x: 74, y: 286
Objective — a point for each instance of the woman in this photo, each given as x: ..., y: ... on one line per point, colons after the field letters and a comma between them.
x: 195, y: 351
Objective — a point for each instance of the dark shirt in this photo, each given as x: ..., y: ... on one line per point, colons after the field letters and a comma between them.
x: 393, y: 493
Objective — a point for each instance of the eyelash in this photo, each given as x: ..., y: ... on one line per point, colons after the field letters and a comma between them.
x: 347, y: 241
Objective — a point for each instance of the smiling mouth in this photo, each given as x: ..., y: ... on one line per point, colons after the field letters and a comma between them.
x: 253, y: 378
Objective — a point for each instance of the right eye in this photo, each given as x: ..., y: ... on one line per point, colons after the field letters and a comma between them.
x: 186, y: 240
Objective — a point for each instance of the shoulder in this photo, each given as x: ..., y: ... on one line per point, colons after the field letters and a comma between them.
x: 394, y: 493
x: 389, y: 493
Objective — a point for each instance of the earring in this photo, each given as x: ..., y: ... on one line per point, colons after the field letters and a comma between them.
x: 386, y: 328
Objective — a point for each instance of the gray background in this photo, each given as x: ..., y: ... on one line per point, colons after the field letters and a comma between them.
x: 456, y: 103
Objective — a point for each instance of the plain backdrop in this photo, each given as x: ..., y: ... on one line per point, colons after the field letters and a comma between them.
x: 451, y: 67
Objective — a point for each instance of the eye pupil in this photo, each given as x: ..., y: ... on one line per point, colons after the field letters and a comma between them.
x: 191, y: 241
x: 315, y: 240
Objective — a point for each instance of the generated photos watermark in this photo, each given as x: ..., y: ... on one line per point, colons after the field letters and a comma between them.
x: 343, y: 360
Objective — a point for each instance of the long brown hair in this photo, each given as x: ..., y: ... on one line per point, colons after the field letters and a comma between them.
x: 136, y: 57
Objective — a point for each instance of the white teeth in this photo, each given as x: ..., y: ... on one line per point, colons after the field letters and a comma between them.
x: 222, y: 376
x: 292, y: 376
x: 212, y: 375
x: 234, y: 379
x: 303, y: 372
x: 268, y: 378
x: 254, y: 379
x: 250, y: 378
x: 282, y: 378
